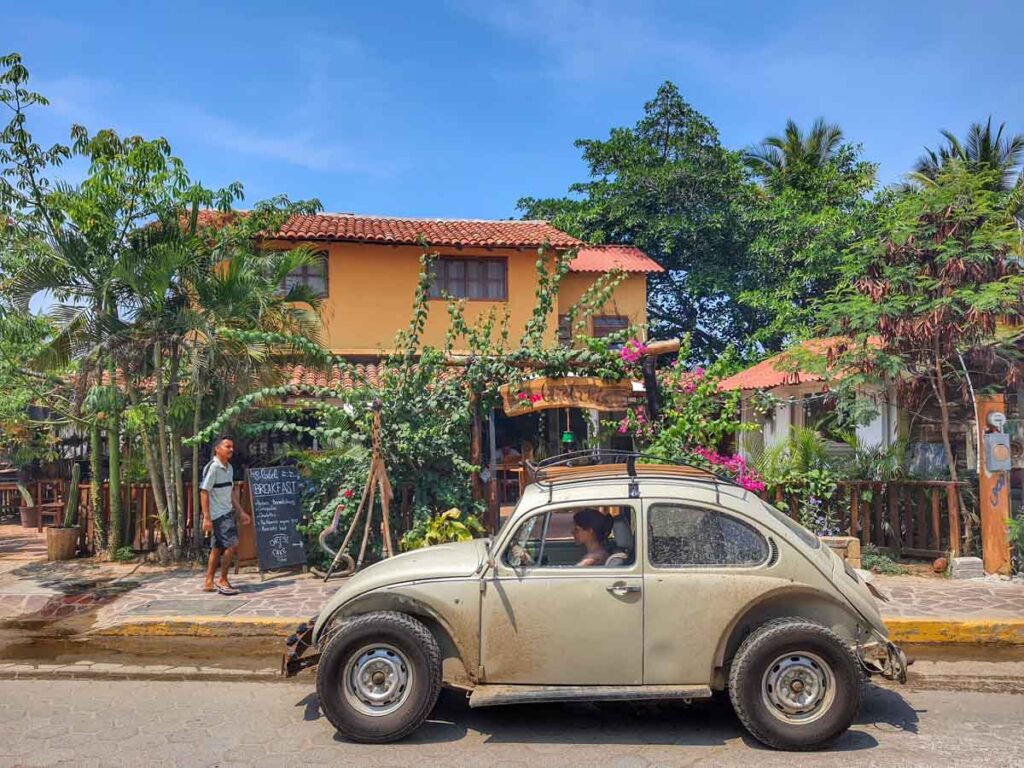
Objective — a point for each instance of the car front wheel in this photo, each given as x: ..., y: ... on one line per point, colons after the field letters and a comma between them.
x: 379, y: 676
x: 795, y: 685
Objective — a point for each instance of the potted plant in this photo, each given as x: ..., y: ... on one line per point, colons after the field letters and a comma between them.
x: 62, y: 540
x: 28, y: 509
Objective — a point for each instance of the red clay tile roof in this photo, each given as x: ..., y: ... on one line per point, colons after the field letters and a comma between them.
x: 309, y: 376
x: 450, y: 232
x: 603, y: 258
x: 777, y: 371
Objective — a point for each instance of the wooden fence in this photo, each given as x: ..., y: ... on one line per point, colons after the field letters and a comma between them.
x: 917, y: 518
x: 141, y: 524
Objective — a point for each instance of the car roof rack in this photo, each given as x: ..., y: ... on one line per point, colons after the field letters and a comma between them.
x: 604, y: 463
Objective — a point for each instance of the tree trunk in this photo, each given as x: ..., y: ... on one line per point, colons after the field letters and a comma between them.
x: 940, y: 391
x: 159, y: 394
x: 175, y: 444
x: 96, y: 485
x: 197, y: 411
x: 114, y: 467
x: 179, y: 490
x: 152, y: 469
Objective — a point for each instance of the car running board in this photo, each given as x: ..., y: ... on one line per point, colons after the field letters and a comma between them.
x: 496, y: 695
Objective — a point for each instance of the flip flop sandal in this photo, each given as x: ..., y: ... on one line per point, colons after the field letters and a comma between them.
x: 227, y: 590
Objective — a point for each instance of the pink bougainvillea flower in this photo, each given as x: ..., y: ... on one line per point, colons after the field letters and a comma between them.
x: 536, y: 398
x: 522, y: 395
x: 349, y: 493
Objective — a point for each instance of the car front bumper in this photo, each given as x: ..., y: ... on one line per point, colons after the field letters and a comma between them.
x: 885, y: 658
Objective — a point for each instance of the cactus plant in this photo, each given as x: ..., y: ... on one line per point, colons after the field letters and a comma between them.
x: 71, y: 505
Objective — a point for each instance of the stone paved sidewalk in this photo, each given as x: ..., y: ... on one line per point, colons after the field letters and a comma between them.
x: 917, y: 597
x: 114, y: 595
x: 179, y: 593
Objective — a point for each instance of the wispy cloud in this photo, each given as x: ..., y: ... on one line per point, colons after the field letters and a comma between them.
x: 584, y: 39
x: 305, y: 129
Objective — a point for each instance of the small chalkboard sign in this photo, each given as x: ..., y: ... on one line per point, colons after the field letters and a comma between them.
x: 276, y: 510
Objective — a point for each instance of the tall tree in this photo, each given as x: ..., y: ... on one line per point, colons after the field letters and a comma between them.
x: 795, y: 150
x: 981, y: 150
x: 667, y: 186
x: 932, y: 280
x: 805, y: 210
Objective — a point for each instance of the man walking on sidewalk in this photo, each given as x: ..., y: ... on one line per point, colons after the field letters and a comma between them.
x: 219, y: 499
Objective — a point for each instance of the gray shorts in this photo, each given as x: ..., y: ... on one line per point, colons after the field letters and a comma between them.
x: 225, y: 532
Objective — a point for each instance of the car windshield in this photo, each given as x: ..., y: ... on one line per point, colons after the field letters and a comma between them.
x: 802, y: 533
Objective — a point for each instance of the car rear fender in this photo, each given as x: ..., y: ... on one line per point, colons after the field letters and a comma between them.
x: 797, y: 601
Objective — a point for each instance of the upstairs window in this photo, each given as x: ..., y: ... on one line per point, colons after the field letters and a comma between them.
x: 605, y: 325
x: 476, y: 279
x: 312, y: 275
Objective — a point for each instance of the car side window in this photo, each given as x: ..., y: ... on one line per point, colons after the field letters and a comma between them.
x: 576, y: 537
x: 681, y: 535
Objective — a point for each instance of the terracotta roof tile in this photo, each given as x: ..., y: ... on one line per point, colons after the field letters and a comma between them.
x: 603, y: 258
x: 777, y: 371
x: 351, y: 378
x: 441, y: 232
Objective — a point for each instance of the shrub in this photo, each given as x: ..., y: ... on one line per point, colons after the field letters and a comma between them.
x: 878, y: 562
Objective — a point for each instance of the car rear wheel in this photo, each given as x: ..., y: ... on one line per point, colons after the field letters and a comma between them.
x: 795, y: 685
x: 379, y: 676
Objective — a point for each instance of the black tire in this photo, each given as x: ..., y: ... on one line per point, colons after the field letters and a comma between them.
x: 413, y: 650
x: 819, y: 661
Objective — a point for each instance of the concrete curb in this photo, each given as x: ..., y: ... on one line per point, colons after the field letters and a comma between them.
x: 108, y: 671
x: 905, y: 630
x: 932, y: 631
x: 202, y: 626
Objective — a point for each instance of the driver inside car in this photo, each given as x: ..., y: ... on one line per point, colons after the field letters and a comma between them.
x: 590, y: 530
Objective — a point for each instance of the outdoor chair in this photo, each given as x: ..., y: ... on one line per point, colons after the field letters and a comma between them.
x: 51, y: 510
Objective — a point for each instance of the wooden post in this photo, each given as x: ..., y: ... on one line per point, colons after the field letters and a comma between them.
x: 935, y: 535
x: 855, y: 527
x: 993, y: 495
x: 954, y: 519
x: 476, y: 447
x: 892, y: 491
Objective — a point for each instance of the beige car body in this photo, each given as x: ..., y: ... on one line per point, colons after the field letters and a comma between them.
x: 500, y: 625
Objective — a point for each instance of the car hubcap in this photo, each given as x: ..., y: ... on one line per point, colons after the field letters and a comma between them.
x: 798, y: 687
x: 377, y: 679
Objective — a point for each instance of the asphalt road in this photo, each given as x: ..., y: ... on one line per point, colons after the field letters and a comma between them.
x: 85, y: 723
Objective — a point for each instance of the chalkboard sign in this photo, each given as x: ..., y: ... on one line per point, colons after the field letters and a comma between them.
x: 276, y: 510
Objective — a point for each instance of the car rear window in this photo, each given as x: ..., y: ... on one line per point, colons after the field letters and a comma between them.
x: 802, y: 533
x: 683, y: 536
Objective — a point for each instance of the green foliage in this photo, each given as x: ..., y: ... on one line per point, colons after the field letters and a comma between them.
x: 695, y: 413
x: 667, y: 186
x: 806, y: 211
x: 802, y: 468
x: 446, y: 527
x: 124, y: 555
x: 874, y: 462
x: 1015, y: 529
x: 983, y: 150
x: 872, y: 559
x: 71, y: 504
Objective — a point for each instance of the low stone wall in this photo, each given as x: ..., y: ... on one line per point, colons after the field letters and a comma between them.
x: 847, y: 547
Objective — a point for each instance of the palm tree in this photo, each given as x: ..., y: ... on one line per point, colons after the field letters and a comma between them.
x: 794, y: 148
x: 982, y: 149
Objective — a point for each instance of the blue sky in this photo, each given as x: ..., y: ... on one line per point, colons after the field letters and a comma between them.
x: 457, y: 109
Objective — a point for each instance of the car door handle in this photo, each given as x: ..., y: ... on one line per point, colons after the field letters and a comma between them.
x: 622, y: 589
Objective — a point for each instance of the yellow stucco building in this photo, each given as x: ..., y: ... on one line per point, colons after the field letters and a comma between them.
x: 369, y: 267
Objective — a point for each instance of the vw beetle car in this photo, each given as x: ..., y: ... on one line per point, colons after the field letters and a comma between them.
x: 707, y: 589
